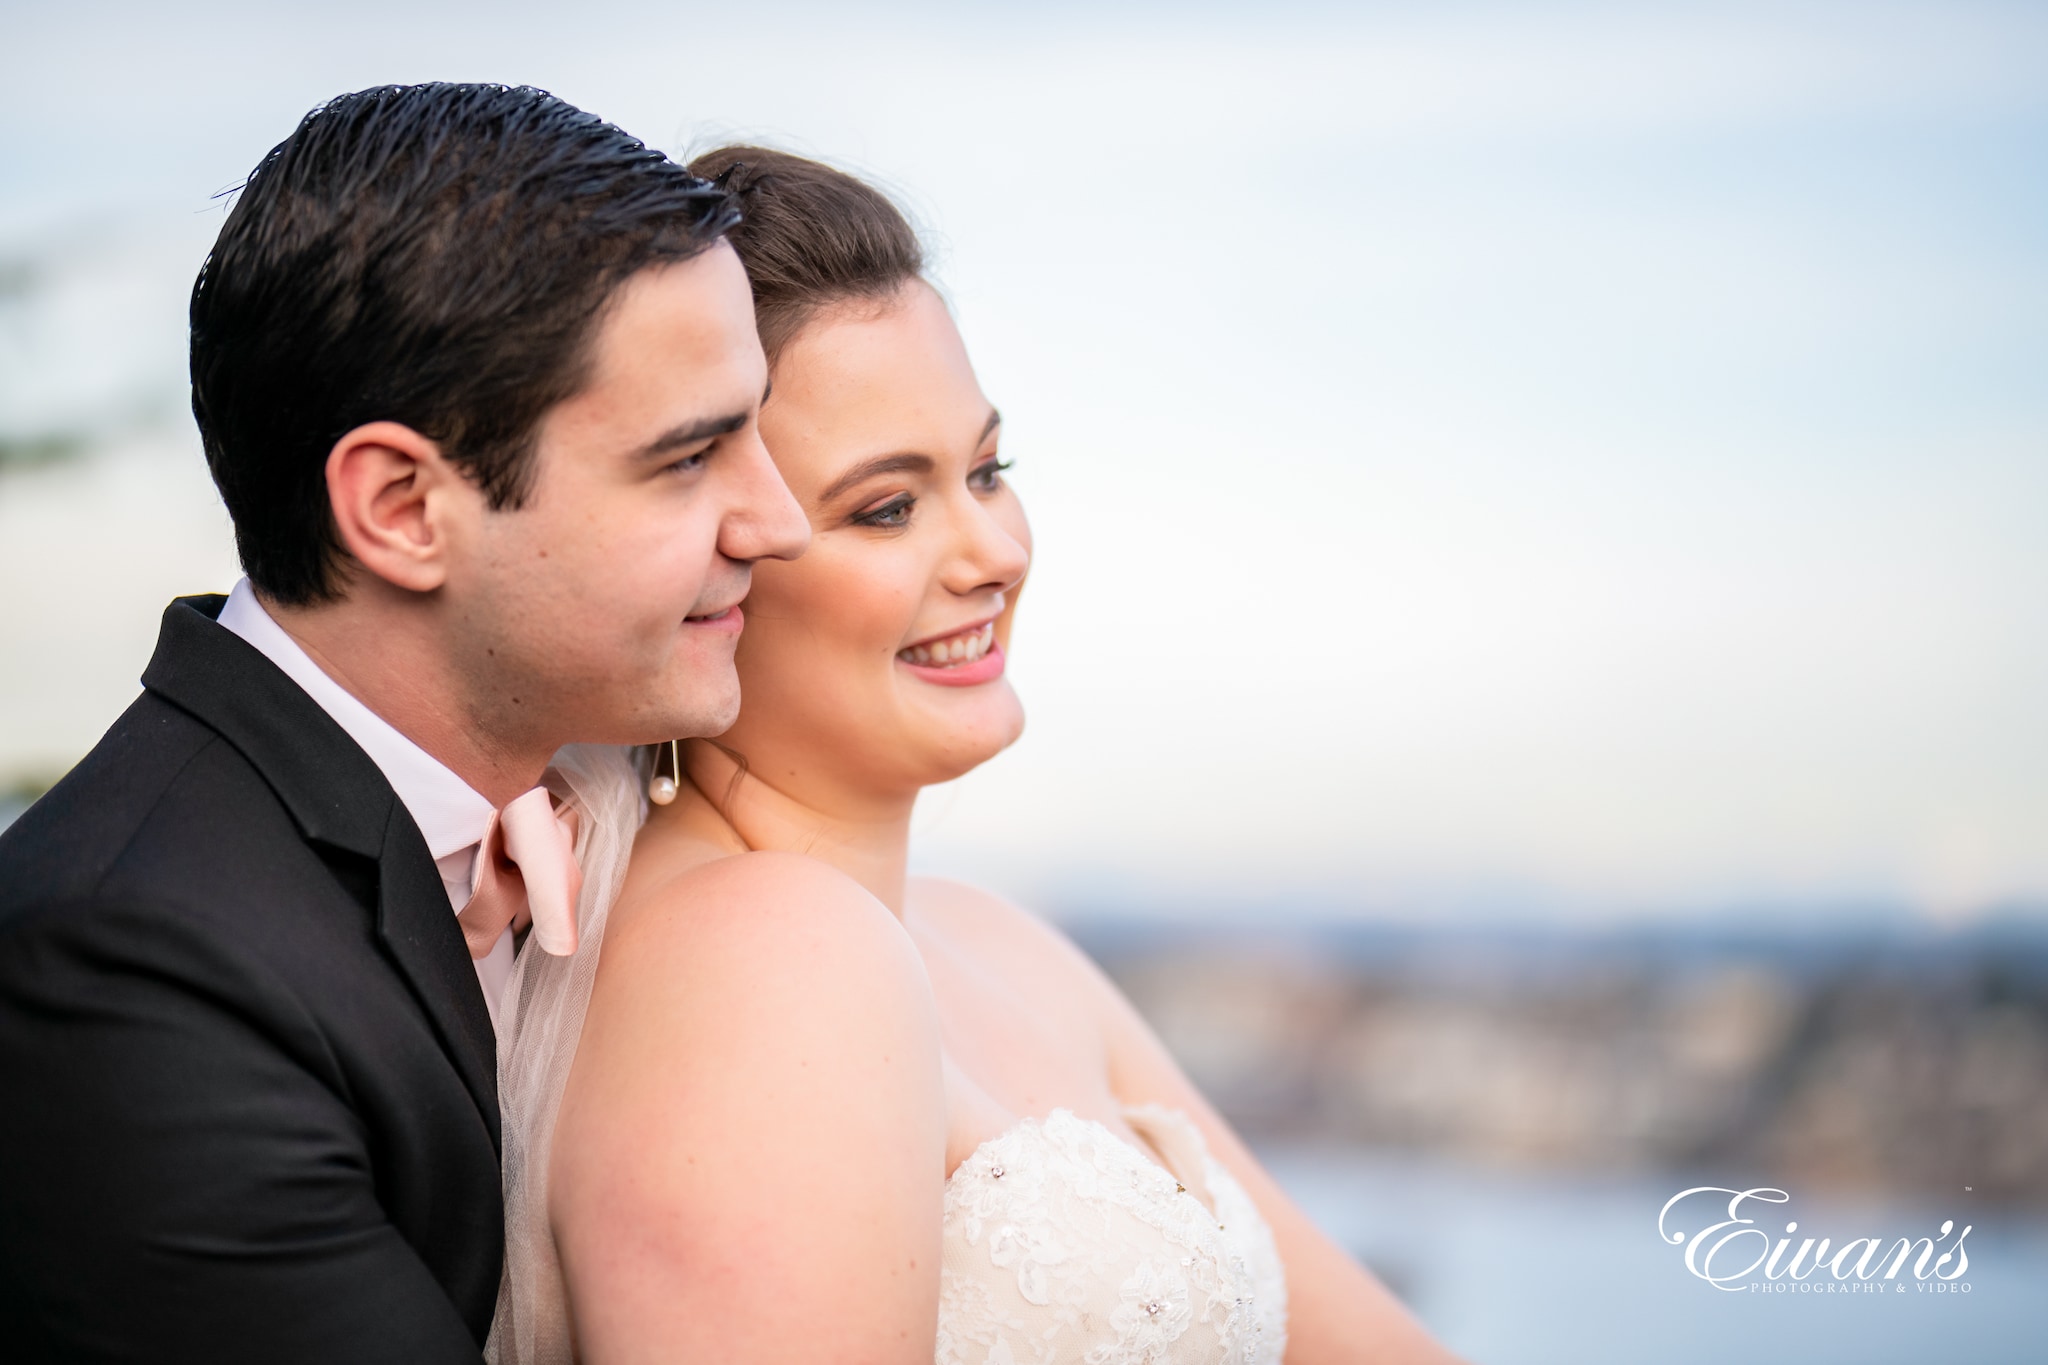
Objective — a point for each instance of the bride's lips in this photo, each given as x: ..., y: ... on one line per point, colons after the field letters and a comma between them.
x: 726, y: 622
x: 987, y: 668
x: 962, y: 659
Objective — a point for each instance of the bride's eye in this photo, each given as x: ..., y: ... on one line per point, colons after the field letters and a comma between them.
x: 987, y: 476
x: 890, y: 515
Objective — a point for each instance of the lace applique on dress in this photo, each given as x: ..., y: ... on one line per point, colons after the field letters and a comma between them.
x: 1065, y: 1245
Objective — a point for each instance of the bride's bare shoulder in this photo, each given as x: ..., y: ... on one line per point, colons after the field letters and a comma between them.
x: 746, y: 920
x: 964, y: 907
x: 712, y: 889
x: 751, y: 1146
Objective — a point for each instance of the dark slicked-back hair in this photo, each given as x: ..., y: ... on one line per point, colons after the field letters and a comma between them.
x: 810, y: 236
x: 434, y: 255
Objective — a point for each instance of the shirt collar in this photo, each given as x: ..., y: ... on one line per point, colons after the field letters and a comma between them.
x: 450, y: 813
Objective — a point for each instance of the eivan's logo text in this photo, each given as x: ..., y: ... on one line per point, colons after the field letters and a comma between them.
x: 1723, y: 1254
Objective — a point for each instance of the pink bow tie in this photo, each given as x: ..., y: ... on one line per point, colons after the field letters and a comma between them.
x: 526, y: 872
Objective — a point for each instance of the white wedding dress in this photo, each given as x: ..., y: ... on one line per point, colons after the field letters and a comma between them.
x: 1064, y: 1244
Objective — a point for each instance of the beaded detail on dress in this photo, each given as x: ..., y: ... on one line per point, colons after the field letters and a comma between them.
x: 1066, y: 1245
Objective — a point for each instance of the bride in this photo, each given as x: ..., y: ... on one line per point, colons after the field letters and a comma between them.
x: 819, y: 1109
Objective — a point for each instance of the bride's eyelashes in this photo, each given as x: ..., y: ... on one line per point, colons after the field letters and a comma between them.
x: 892, y: 514
x: 987, y: 476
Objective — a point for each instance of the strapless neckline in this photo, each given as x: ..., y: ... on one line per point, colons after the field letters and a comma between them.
x: 1142, y: 1149
x: 1065, y: 1242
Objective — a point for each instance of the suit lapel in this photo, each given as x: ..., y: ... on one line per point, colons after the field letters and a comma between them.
x: 338, y: 797
x: 423, y: 937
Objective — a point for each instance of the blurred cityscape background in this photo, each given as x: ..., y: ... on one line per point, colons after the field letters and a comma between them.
x: 1541, y: 609
x: 1493, y: 1117
x: 1886, y: 1061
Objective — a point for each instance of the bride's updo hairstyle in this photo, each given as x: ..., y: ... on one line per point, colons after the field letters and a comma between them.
x: 810, y: 237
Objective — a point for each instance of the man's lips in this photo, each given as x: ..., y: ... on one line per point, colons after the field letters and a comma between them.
x: 727, y: 621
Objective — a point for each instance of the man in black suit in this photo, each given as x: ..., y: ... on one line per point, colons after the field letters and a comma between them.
x: 477, y: 378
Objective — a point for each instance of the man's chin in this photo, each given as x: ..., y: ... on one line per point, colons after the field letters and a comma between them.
x: 702, y: 711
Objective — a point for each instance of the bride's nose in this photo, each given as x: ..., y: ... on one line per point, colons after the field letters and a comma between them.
x: 987, y: 555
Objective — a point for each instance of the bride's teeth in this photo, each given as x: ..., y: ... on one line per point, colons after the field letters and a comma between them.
x: 957, y: 649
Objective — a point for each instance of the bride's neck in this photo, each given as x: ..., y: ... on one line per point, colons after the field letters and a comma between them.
x: 864, y: 834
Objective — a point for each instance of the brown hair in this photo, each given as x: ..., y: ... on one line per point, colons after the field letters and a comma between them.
x: 810, y: 236
x: 436, y: 255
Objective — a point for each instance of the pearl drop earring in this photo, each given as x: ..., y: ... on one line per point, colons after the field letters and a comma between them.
x: 662, y: 789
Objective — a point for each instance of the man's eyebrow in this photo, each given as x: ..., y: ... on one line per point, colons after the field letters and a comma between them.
x: 689, y: 433
x: 881, y: 464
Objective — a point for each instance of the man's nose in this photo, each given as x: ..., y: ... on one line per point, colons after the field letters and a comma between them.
x: 765, y: 521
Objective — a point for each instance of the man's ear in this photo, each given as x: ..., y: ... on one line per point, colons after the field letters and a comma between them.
x: 396, y: 500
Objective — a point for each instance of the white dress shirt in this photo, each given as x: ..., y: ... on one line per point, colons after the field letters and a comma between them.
x: 451, y: 814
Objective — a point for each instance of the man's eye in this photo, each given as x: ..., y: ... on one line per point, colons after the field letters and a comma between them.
x: 984, y: 477
x: 690, y: 463
x: 894, y: 512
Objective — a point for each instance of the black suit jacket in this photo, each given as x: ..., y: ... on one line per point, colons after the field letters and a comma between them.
x: 248, y: 1101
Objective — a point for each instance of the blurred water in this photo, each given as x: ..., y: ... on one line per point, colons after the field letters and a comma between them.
x: 1518, y: 1270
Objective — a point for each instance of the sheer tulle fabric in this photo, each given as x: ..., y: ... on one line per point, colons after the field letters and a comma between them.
x: 541, y: 1020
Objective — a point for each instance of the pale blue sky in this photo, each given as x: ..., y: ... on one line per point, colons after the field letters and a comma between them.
x: 1489, y: 459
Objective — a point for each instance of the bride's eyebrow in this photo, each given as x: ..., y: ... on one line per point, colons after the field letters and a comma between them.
x: 880, y: 464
